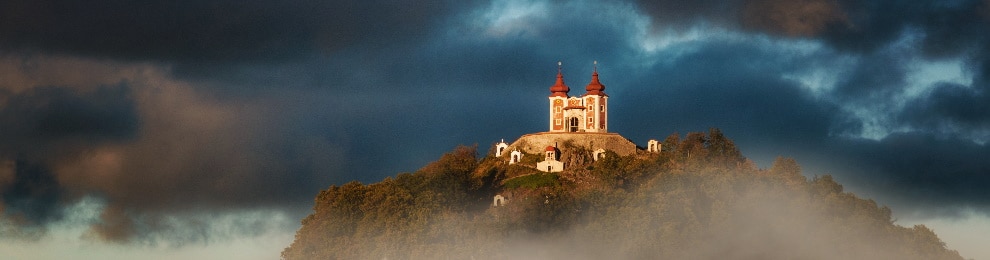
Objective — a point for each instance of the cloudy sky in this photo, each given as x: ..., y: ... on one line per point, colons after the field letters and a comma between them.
x: 203, y: 129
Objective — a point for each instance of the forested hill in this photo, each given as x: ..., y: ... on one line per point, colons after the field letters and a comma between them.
x: 697, y: 199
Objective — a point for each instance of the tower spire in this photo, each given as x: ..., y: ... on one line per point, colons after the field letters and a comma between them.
x: 595, y: 87
x: 559, y: 89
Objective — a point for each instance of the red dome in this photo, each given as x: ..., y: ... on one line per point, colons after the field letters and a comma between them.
x: 595, y: 87
x: 559, y: 89
x: 550, y: 148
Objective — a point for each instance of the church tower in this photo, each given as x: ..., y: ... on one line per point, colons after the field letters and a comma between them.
x: 595, y: 99
x: 558, y: 99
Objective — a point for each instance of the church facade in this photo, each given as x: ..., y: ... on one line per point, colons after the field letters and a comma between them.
x: 585, y: 113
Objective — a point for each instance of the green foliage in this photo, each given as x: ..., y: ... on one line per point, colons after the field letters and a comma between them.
x: 721, y: 150
x: 530, y: 159
x: 698, y: 199
x: 702, y: 151
x: 617, y: 171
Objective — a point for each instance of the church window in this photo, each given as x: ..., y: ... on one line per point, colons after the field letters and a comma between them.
x: 603, y: 108
x: 556, y: 121
x: 591, y: 108
x: 591, y: 120
x: 556, y: 109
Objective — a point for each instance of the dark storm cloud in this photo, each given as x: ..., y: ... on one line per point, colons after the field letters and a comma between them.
x: 179, y: 162
x: 937, y: 162
x: 191, y: 154
x: 799, y: 18
x: 211, y: 30
x: 950, y: 108
x: 683, y: 13
x: 472, y: 86
x: 949, y: 27
x: 792, y: 18
x: 211, y: 156
x: 33, y: 197
x: 231, y: 47
x: 954, y: 28
x: 876, y: 76
x: 45, y: 123
x: 149, y: 149
x: 52, y: 120
x: 747, y: 101
x: 953, y: 108
x: 917, y: 173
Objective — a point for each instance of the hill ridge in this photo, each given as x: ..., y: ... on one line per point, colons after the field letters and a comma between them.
x: 697, y: 199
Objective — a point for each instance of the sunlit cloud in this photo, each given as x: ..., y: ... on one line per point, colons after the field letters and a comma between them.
x: 513, y: 17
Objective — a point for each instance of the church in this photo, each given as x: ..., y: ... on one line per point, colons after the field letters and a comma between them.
x: 578, y: 121
x: 587, y: 113
x: 577, y: 136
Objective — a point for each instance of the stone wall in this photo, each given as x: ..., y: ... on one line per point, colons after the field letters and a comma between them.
x: 536, y: 143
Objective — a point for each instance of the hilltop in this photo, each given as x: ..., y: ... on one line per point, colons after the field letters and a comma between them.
x: 699, y: 198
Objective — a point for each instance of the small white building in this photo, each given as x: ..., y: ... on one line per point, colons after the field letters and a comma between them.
x: 599, y: 154
x: 551, y: 161
x: 500, y: 147
x: 515, y: 156
x: 653, y: 146
x: 499, y: 201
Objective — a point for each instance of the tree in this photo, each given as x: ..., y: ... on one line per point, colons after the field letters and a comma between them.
x: 670, y: 143
x: 693, y: 149
x: 787, y: 168
x: 722, y: 151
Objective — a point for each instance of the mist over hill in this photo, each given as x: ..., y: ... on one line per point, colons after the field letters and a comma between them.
x: 699, y: 198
